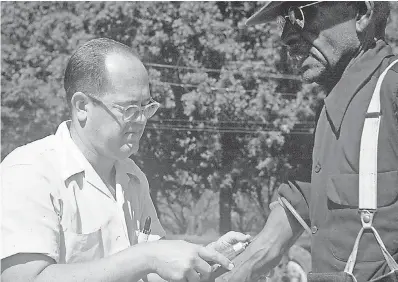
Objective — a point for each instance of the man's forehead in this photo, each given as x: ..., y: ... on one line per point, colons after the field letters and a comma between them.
x: 127, y: 76
x: 136, y: 95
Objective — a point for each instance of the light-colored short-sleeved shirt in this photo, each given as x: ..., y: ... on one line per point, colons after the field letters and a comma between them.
x: 54, y: 203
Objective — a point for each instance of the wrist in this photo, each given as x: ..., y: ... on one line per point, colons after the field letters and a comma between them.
x: 147, y: 258
x: 278, y: 230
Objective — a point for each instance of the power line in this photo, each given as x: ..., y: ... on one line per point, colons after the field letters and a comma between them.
x: 268, y: 75
x: 181, y: 67
x: 226, y: 127
x: 161, y: 121
x: 216, y: 88
x: 227, y: 130
x: 217, y: 129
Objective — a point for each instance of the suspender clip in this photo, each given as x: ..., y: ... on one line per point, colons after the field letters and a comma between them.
x: 367, y: 218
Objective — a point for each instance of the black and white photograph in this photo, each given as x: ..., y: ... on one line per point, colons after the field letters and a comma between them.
x: 199, y: 141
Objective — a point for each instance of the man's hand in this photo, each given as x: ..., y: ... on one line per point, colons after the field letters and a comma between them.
x: 265, y: 251
x: 224, y: 244
x: 176, y: 260
x: 254, y: 268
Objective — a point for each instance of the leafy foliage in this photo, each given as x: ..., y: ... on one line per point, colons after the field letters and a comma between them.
x: 230, y: 129
x: 234, y: 122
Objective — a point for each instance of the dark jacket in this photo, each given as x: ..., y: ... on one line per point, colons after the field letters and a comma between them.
x: 330, y: 202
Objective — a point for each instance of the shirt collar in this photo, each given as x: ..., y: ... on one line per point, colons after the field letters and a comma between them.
x: 352, y: 81
x: 129, y: 168
x: 71, y: 159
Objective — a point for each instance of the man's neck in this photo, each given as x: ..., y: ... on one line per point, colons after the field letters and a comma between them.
x: 101, y: 164
x: 357, y: 56
x: 330, y: 83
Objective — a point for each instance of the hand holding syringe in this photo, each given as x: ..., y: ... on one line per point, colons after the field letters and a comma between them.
x: 230, y: 245
x: 231, y: 251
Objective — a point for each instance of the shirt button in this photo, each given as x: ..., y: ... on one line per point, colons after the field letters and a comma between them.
x: 317, y: 167
x: 314, y: 229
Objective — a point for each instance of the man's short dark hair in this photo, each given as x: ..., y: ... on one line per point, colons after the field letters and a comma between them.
x: 86, y: 70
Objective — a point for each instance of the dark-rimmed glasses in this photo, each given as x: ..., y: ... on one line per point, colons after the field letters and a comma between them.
x: 132, y: 112
x: 295, y: 15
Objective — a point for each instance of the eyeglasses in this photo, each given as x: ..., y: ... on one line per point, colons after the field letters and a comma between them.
x: 133, y: 112
x: 295, y: 15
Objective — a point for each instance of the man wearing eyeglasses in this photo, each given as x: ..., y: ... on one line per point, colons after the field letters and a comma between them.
x: 341, y: 46
x: 73, y: 203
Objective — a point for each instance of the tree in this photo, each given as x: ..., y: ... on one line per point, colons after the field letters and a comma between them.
x: 234, y: 119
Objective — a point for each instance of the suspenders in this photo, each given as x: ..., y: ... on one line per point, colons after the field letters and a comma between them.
x: 368, y: 176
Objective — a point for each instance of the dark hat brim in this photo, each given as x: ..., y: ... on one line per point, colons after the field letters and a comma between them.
x: 267, y: 13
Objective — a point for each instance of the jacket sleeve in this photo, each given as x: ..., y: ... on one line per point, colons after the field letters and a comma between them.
x: 297, y: 193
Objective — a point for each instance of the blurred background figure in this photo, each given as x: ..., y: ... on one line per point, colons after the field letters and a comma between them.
x: 295, y: 272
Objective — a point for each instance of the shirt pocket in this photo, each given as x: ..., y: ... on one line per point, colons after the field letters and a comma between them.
x: 83, y: 247
x: 343, y: 219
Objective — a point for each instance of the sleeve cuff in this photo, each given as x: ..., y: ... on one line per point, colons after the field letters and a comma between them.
x: 14, y: 248
x: 295, y: 196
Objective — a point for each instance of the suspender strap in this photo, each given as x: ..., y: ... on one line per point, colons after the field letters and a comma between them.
x: 368, y: 176
x: 368, y: 150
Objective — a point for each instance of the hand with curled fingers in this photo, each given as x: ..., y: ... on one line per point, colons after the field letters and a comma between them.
x: 180, y: 261
x: 225, y: 244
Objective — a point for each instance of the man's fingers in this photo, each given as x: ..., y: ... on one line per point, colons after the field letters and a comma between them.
x: 211, y: 255
x: 192, y: 276
x: 203, y: 268
x: 235, y: 237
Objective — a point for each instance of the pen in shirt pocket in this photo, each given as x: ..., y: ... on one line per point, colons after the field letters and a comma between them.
x: 144, y: 233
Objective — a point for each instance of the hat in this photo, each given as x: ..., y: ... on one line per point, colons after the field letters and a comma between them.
x: 267, y: 13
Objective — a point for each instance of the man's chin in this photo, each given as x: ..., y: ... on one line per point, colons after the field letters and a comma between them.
x: 311, y: 76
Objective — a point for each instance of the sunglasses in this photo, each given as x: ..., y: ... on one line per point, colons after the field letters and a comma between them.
x: 295, y: 15
x: 132, y: 112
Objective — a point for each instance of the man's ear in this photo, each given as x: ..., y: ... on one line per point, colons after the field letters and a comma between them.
x: 79, y: 104
x: 365, y: 16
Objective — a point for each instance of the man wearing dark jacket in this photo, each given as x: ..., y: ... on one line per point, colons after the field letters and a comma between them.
x: 341, y: 46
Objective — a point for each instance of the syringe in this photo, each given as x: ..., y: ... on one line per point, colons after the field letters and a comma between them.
x: 234, y: 250
x: 231, y: 252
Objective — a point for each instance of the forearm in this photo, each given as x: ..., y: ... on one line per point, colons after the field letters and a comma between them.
x: 267, y: 248
x: 129, y: 265
x: 279, y: 233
